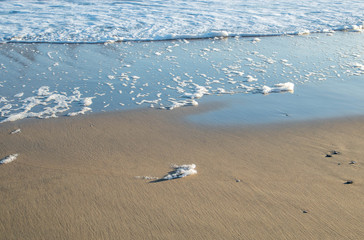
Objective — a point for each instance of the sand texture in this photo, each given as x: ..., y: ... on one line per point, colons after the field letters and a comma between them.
x: 83, y: 178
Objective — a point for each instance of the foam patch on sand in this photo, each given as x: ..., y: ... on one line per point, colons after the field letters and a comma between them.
x: 147, y: 177
x: 181, y: 171
x: 16, y: 131
x: 9, y: 158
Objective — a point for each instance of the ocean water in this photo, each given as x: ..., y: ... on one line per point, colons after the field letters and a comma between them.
x: 74, y: 57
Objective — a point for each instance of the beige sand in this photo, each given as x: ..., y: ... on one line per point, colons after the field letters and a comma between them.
x: 75, y: 178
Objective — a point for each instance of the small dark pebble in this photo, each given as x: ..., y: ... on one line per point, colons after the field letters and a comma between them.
x: 352, y: 162
x: 338, y: 163
x: 333, y: 152
x: 237, y: 180
x: 304, y: 211
x: 349, y: 182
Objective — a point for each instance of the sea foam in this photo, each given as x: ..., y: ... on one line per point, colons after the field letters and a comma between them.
x: 48, y: 104
x: 109, y: 21
x: 16, y: 131
x: 181, y: 171
x: 277, y: 88
x: 9, y: 158
x: 198, y: 92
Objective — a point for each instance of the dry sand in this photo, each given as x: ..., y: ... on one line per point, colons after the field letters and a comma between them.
x: 75, y: 178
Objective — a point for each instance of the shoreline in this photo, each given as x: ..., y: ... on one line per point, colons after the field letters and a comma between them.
x: 219, y: 36
x: 82, y: 178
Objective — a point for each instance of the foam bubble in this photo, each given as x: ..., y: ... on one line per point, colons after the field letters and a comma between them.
x: 198, y: 92
x: 9, y: 158
x: 43, y: 91
x: 87, y: 101
x: 250, y: 78
x: 278, y: 88
x: 16, y: 131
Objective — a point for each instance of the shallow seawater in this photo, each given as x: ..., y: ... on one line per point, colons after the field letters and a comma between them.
x: 326, y: 70
x: 309, y: 102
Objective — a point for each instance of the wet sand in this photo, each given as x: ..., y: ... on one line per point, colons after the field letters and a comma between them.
x: 83, y: 178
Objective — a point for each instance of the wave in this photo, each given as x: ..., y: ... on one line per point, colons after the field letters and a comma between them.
x: 62, y: 21
x: 212, y: 35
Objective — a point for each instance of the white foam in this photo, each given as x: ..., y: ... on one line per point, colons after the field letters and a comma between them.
x: 148, y: 101
x: 182, y: 103
x: 87, y: 101
x: 82, y: 111
x: 356, y: 28
x: 250, y: 78
x: 16, y: 131
x: 19, y: 95
x: 304, y: 32
x: 278, y: 88
x: 358, y: 66
x: 4, y: 110
x: 43, y: 91
x: 9, y: 158
x: 199, y: 91
x: 51, y: 104
x: 181, y: 171
x: 247, y: 88
x: 110, y: 21
x: 147, y: 177
x: 256, y: 40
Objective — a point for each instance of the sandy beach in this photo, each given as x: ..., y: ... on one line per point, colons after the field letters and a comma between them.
x: 91, y: 177
x: 200, y: 119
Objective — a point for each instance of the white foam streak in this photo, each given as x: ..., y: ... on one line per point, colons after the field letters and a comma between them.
x: 82, y: 111
x: 19, y: 95
x: 182, y: 103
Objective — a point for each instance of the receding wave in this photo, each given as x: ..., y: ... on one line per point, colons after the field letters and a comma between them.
x: 64, y: 21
